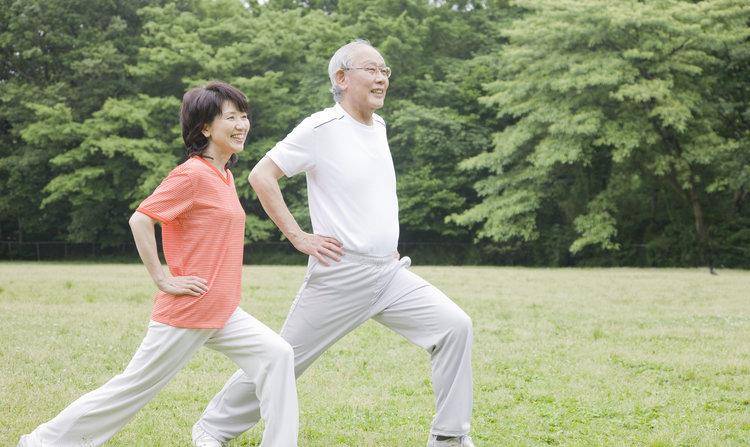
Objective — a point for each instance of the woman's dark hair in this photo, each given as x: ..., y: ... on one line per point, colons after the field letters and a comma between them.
x: 200, y: 106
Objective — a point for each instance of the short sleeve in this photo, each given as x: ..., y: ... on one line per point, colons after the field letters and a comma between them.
x: 173, y: 197
x: 296, y: 152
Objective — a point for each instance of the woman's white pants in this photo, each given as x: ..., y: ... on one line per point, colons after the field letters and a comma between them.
x: 264, y: 357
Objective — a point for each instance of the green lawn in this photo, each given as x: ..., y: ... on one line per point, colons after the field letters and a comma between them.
x: 561, y: 357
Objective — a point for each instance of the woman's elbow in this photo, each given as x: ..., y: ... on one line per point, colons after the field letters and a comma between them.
x: 137, y: 219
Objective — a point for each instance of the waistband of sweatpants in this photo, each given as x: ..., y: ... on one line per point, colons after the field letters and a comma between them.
x: 363, y: 258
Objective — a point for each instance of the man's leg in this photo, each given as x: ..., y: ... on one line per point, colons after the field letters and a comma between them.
x: 268, y: 361
x: 426, y: 317
x: 97, y: 416
x: 331, y: 302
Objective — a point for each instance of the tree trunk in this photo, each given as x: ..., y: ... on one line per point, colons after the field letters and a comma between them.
x: 738, y: 199
x: 704, y: 243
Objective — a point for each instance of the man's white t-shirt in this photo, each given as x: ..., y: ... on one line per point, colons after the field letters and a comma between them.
x: 351, y: 183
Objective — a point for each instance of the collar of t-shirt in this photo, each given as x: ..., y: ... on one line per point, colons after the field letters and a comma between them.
x: 350, y: 118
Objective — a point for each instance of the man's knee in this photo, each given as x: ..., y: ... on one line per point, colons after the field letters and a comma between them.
x: 462, y: 323
x: 458, y: 324
x: 452, y: 317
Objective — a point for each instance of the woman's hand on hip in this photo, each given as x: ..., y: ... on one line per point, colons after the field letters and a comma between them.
x: 183, y: 285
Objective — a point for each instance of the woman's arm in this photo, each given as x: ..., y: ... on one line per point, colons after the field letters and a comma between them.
x: 145, y: 241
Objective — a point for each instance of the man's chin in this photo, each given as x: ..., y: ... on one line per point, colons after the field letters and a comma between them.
x: 377, y: 104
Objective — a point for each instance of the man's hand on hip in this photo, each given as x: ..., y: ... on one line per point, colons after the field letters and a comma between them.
x: 323, y: 248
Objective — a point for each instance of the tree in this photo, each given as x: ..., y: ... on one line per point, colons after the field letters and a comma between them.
x: 126, y: 148
x: 133, y: 141
x: 606, y: 99
x: 58, y: 57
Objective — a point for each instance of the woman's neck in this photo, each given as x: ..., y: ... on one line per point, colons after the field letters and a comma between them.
x: 216, y: 157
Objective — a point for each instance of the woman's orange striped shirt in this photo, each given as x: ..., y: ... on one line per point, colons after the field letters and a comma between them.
x: 203, y: 234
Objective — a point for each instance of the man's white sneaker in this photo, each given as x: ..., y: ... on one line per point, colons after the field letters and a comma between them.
x: 203, y: 439
x: 458, y: 441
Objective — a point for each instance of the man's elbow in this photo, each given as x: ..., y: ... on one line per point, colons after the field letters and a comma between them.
x: 264, y: 174
x: 254, y: 178
x: 258, y: 177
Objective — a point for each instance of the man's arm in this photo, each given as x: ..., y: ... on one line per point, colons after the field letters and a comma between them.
x: 264, y: 178
x: 145, y: 241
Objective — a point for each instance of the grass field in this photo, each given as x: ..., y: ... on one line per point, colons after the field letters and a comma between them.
x: 582, y: 357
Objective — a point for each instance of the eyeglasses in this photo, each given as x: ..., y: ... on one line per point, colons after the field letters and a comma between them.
x: 373, y: 70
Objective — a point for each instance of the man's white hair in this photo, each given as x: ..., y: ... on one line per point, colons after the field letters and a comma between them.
x: 341, y: 60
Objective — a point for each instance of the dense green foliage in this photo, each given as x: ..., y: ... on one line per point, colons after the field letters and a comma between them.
x: 546, y: 132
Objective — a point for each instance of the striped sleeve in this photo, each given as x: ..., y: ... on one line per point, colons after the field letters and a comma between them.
x: 172, y: 198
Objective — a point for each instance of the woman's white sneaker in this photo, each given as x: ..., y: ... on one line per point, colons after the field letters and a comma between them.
x: 458, y: 441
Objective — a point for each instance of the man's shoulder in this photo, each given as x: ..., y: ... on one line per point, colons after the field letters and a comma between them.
x: 378, y: 119
x: 323, y: 117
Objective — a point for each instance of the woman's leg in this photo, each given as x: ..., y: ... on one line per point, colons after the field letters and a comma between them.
x: 97, y: 416
x: 268, y: 360
x: 329, y: 305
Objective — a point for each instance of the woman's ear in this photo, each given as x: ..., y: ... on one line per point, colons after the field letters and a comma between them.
x: 206, y: 131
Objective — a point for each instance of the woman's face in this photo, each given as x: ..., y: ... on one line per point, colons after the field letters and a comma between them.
x: 227, y: 132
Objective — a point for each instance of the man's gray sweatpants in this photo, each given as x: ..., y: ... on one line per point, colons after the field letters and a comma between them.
x: 335, y: 300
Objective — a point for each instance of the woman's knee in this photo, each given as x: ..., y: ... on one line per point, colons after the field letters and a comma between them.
x: 280, y: 350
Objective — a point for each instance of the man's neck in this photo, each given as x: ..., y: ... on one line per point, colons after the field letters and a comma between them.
x: 364, y: 116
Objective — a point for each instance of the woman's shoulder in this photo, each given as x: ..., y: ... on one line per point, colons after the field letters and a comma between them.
x: 201, y: 170
x: 191, y: 166
x: 187, y: 171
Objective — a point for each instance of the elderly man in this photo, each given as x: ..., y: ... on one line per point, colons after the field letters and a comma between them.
x: 353, y: 273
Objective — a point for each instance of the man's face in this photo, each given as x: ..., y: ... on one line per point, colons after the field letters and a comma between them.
x: 363, y: 89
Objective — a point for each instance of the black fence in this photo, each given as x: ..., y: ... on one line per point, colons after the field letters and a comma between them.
x: 422, y: 253
x: 432, y: 253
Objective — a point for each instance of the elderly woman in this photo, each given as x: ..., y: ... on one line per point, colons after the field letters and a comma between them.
x: 203, y: 227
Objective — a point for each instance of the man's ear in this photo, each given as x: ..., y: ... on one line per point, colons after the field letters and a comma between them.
x: 341, y: 79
